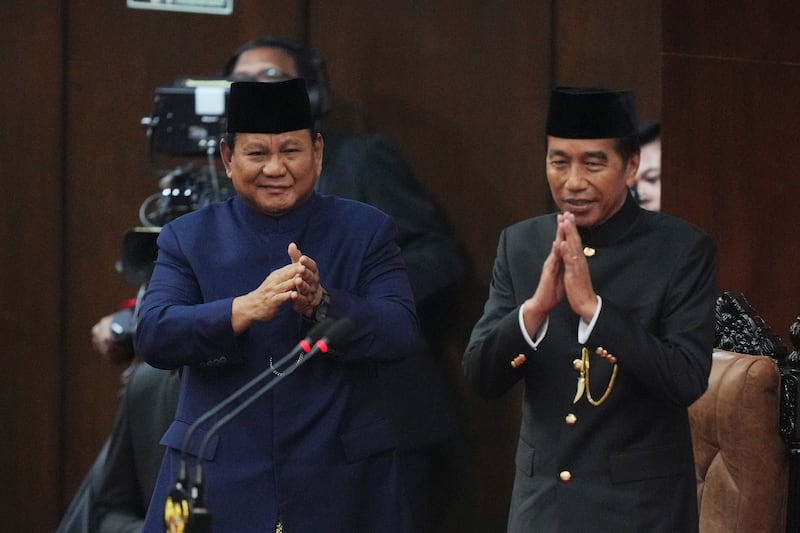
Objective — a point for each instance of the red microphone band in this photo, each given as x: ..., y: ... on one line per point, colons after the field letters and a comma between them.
x: 305, y: 345
x: 323, y: 346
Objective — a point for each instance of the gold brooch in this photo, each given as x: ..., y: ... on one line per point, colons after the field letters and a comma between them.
x: 582, y: 366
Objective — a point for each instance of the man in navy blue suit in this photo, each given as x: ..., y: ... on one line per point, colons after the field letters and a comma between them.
x: 367, y: 168
x: 236, y: 284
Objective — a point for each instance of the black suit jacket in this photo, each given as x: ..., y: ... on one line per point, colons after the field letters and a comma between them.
x: 629, y: 461
x: 128, y: 475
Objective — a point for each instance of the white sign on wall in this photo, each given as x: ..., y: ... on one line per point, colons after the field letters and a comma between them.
x: 213, y: 7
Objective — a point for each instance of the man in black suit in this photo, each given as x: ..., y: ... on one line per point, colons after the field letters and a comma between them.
x: 613, y: 342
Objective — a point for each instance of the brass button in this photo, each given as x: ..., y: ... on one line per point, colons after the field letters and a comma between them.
x: 577, y: 364
x: 565, y: 476
x: 588, y: 251
x: 571, y: 419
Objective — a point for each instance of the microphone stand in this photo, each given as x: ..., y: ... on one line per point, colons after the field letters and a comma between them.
x: 179, y: 510
x: 200, y: 519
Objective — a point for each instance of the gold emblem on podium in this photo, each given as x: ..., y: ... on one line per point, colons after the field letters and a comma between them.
x: 176, y: 514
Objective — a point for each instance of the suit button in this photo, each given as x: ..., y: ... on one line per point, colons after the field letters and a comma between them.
x: 565, y: 476
x: 571, y: 419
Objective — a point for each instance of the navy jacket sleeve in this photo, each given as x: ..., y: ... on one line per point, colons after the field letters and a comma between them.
x: 185, y: 318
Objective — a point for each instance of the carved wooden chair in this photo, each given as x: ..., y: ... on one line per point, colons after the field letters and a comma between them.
x: 744, y: 427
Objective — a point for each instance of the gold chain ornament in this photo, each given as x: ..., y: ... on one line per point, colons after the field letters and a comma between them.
x: 582, y: 365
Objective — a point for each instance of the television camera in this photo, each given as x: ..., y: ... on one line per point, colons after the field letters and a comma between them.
x: 187, y: 123
x: 185, y: 128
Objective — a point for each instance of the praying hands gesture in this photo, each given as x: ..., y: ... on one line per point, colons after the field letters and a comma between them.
x: 297, y: 282
x: 565, y: 274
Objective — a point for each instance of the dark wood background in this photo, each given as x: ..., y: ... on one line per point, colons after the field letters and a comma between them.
x: 461, y: 86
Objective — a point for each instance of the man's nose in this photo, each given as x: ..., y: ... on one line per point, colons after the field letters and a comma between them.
x: 574, y: 178
x: 273, y: 166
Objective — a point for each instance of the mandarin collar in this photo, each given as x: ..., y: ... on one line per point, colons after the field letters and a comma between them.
x: 294, y: 220
x: 613, y: 229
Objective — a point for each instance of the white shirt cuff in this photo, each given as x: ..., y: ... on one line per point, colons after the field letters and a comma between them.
x: 539, y: 333
x: 584, y: 329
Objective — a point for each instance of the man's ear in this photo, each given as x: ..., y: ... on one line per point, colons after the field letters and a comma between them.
x: 319, y: 145
x: 633, y: 168
x: 226, y: 154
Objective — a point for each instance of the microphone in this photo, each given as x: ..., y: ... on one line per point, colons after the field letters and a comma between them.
x: 340, y: 329
x: 178, y: 510
x: 338, y: 332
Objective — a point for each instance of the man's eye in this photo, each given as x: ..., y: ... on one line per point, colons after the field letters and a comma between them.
x: 241, y: 76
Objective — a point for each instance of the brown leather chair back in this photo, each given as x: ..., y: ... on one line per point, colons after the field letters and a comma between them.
x: 741, y: 459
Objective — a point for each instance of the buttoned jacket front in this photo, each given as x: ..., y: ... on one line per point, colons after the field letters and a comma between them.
x: 627, y: 464
x: 317, y: 450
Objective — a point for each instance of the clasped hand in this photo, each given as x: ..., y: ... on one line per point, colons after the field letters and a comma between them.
x: 565, y: 273
x: 297, y: 282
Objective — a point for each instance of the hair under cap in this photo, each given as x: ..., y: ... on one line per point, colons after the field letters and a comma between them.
x: 591, y: 113
x: 269, y: 107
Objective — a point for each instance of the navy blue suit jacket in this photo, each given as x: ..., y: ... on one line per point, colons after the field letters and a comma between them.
x: 317, y: 451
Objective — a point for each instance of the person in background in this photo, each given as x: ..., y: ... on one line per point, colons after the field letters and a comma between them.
x: 648, y: 177
x: 235, y: 286
x: 128, y: 474
x: 605, y: 311
x: 115, y: 493
x: 125, y: 477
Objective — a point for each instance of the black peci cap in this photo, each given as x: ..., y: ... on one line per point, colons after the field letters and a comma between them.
x: 275, y: 107
x: 591, y: 113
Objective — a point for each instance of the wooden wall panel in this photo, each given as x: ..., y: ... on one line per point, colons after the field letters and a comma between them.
x: 459, y: 87
x: 735, y: 29
x: 730, y: 81
x: 728, y: 162
x: 611, y: 43
x: 30, y: 237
